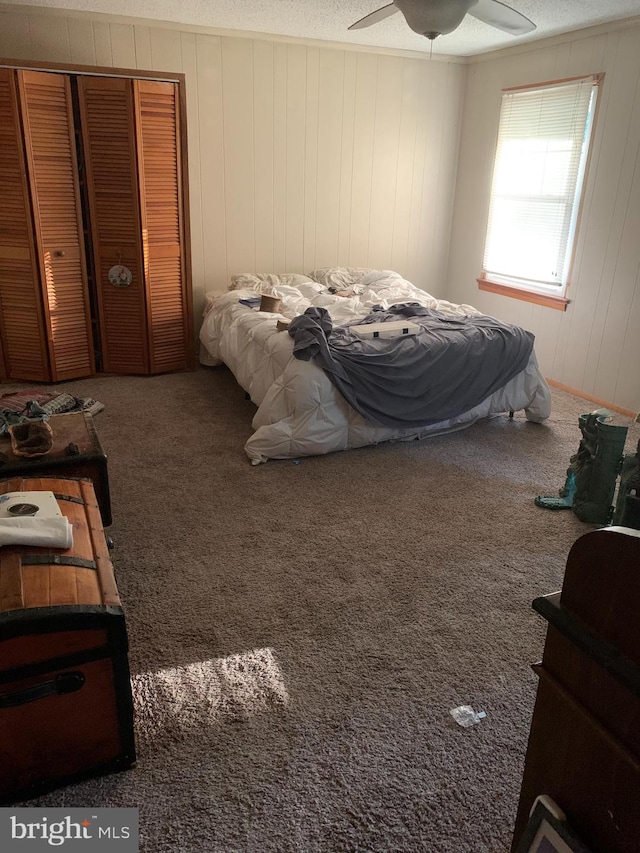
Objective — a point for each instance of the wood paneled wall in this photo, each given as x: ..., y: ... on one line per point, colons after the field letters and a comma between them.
x: 595, y: 345
x: 303, y: 156
x: 300, y: 156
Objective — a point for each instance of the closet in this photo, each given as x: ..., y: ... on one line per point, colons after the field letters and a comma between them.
x: 93, y: 255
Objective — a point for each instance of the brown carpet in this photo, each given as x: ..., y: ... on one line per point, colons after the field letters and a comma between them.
x: 300, y: 632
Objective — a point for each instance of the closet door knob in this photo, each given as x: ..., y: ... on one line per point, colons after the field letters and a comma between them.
x: 58, y: 254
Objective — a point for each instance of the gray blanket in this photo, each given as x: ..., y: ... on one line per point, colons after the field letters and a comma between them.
x: 449, y: 367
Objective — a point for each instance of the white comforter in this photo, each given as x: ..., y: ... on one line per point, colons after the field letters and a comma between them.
x: 300, y: 413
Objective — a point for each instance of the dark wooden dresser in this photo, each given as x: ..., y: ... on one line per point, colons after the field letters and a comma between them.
x: 584, y: 743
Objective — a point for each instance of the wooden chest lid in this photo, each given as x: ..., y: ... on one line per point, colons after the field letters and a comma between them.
x: 74, y: 428
x: 32, y: 577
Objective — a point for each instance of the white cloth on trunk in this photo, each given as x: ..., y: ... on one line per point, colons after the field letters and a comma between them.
x: 40, y: 532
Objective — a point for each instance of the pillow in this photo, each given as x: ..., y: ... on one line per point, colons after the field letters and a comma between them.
x: 342, y: 278
x: 294, y: 279
x: 262, y: 281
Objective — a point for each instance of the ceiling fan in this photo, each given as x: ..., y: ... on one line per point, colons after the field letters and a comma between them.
x: 432, y: 18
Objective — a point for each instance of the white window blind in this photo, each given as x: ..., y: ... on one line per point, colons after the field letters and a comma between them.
x: 543, y: 141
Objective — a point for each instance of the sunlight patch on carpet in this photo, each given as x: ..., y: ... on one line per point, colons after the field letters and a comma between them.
x: 175, y: 702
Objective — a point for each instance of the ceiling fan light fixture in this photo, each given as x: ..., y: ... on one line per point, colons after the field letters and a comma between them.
x: 432, y: 18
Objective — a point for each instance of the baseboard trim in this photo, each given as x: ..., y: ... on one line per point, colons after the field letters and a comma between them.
x: 576, y: 392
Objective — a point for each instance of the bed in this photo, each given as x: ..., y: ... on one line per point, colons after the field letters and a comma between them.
x: 301, y: 411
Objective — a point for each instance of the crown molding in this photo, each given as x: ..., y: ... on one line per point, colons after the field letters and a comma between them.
x: 520, y: 49
x: 220, y: 32
x: 553, y: 41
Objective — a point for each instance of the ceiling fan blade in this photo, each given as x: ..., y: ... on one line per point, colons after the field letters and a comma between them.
x: 501, y: 16
x: 374, y: 17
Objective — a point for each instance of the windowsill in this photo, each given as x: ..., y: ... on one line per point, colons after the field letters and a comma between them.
x: 548, y: 300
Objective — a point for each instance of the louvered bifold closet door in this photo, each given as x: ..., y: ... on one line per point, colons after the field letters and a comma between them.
x: 47, y: 118
x: 4, y: 373
x: 107, y: 115
x: 159, y: 172
x: 23, y: 352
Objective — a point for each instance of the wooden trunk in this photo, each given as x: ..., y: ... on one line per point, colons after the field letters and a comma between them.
x: 66, y: 710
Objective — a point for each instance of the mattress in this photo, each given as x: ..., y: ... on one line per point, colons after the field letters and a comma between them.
x: 299, y: 411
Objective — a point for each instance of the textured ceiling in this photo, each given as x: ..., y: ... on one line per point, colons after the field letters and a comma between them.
x: 329, y: 20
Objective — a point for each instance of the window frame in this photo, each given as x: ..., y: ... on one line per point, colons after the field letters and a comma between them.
x: 548, y: 295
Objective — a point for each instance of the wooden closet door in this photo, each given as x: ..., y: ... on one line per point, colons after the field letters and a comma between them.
x: 3, y: 367
x: 108, y: 134
x: 159, y: 174
x: 23, y: 350
x: 47, y: 118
